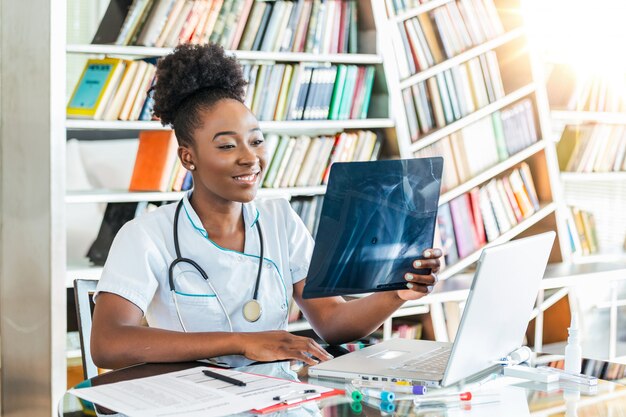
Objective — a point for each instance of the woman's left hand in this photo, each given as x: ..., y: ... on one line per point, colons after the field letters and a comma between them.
x: 420, y: 285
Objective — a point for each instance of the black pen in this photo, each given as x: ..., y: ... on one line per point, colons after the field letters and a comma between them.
x: 224, y: 378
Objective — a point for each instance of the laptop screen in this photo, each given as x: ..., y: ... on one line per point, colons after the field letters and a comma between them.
x: 377, y: 218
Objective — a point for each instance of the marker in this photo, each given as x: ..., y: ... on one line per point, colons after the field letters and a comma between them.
x: 223, y: 378
x: 393, y: 387
x: 385, y: 396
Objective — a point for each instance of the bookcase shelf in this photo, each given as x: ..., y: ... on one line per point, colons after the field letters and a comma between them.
x: 112, y: 196
x: 289, y: 126
x: 424, y: 8
x: 143, y: 51
x: 577, y: 117
x: 505, y: 101
x: 492, y: 172
x: 593, y: 176
x: 462, y: 57
x: 543, y: 212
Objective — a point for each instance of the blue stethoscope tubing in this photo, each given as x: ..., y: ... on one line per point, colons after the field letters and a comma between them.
x: 252, y: 305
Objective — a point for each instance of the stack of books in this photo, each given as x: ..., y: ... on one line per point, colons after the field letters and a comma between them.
x: 309, y: 92
x: 468, y: 222
x: 113, y: 89
x: 483, y: 144
x: 581, y: 227
x: 275, y: 26
x: 305, y: 161
x: 452, y: 94
x: 309, y: 209
x: 592, y: 148
x: 598, y: 94
x: 431, y: 38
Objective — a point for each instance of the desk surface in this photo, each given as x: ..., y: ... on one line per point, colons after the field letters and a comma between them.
x: 521, y: 399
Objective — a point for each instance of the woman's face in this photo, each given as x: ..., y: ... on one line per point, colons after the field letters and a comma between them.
x: 229, y: 153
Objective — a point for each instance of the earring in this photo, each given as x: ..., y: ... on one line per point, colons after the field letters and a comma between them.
x: 192, y: 167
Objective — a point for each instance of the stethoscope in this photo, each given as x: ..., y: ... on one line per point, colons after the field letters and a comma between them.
x: 251, y: 309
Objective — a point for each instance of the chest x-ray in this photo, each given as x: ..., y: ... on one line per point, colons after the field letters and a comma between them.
x: 377, y: 218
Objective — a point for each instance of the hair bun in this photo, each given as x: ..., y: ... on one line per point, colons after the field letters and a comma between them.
x: 190, y: 69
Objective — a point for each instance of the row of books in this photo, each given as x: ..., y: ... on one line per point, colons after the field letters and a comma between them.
x: 309, y: 209
x: 452, y: 94
x: 316, y: 26
x: 431, y: 38
x: 113, y: 89
x: 484, y: 143
x: 308, y: 92
x: 598, y: 94
x: 468, y: 222
x: 305, y: 161
x: 592, y: 148
x: 581, y: 227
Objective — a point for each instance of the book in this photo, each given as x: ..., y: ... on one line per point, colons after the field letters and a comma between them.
x: 94, y: 88
x: 112, y: 22
x: 156, y: 157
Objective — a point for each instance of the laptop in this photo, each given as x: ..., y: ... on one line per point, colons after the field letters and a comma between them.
x: 493, y: 324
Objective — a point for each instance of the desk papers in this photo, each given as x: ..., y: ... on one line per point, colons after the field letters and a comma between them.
x: 191, y: 393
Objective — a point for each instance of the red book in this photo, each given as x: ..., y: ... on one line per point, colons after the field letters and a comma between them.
x: 156, y: 157
x: 479, y: 225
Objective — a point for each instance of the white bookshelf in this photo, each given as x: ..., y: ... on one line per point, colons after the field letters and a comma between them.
x: 578, y: 117
x: 120, y: 196
x: 573, y: 177
x: 430, y: 138
x: 287, y: 126
x: 256, y: 56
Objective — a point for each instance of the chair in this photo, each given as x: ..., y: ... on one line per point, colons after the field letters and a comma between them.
x: 83, y: 293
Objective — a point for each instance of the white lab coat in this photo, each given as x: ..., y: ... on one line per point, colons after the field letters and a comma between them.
x: 138, y: 262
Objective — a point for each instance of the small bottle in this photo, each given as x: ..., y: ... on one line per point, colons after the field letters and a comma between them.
x: 573, y: 352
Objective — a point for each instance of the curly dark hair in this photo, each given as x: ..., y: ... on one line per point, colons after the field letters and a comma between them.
x: 192, y: 79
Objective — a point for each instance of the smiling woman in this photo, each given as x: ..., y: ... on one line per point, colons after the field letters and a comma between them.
x: 209, y: 279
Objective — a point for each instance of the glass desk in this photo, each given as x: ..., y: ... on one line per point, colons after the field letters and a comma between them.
x: 520, y: 399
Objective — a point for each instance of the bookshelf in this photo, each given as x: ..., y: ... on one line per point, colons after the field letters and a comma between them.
x: 387, y: 115
x: 520, y: 79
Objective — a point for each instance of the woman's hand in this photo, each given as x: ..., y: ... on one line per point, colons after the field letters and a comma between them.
x: 279, y: 344
x: 420, y: 285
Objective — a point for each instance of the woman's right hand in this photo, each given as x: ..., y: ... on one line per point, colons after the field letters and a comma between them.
x: 279, y: 344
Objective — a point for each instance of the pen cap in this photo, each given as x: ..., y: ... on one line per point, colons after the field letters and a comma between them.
x: 521, y: 355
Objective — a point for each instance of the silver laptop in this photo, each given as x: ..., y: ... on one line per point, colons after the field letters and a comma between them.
x: 493, y: 324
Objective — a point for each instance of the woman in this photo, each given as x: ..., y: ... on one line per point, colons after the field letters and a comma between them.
x: 219, y: 226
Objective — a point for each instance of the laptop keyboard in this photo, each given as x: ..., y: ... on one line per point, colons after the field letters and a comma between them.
x: 433, y: 361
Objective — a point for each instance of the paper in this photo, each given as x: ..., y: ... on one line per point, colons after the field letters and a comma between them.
x: 191, y: 393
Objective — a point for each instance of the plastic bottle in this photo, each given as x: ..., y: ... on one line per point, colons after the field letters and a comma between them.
x: 573, y: 352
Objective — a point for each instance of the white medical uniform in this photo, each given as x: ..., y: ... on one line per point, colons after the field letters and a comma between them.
x: 137, y: 269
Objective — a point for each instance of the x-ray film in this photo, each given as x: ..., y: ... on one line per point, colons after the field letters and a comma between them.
x: 377, y: 218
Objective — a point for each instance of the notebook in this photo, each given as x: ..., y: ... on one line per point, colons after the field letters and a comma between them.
x: 494, y: 320
x: 377, y: 218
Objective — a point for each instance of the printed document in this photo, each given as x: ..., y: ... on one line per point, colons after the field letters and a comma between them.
x: 191, y: 393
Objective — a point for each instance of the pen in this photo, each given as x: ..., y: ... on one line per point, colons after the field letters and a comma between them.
x: 223, y: 378
x: 463, y: 396
x: 571, y: 377
x: 292, y: 393
x: 393, y: 387
x: 300, y: 398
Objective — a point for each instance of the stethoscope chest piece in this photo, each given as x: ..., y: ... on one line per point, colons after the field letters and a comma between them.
x: 252, y: 310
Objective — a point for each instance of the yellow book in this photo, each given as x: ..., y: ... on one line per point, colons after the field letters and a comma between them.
x: 281, y: 105
x: 95, y: 87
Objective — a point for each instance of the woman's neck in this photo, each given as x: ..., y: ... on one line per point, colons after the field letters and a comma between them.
x: 223, y: 220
